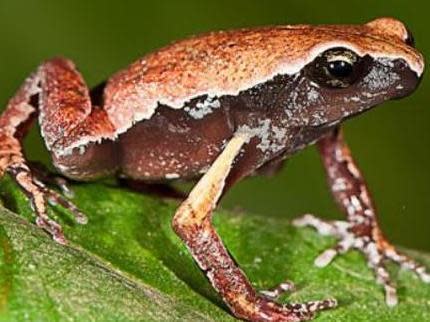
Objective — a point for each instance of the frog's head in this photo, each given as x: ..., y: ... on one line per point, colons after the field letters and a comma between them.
x: 353, y: 68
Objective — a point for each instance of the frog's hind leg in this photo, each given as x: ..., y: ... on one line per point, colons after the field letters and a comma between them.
x: 57, y: 94
x: 361, y: 230
x: 46, y: 176
x: 193, y: 223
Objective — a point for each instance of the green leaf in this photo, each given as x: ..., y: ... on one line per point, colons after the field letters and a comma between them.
x: 126, y: 264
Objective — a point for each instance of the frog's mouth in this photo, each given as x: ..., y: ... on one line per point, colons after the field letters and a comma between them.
x: 345, y: 118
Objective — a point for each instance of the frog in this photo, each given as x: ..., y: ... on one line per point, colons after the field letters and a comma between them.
x: 214, y: 109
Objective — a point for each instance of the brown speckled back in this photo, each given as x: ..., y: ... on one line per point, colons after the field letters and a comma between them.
x: 223, y: 63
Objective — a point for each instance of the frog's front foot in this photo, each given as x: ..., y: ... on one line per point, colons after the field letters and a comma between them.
x: 13, y: 163
x: 369, y: 240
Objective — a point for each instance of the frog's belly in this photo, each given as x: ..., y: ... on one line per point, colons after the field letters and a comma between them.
x: 172, y: 145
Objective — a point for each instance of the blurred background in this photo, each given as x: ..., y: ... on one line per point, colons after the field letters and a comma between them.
x: 391, y: 143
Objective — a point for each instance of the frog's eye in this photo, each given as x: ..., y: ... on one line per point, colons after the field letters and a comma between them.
x: 336, y: 68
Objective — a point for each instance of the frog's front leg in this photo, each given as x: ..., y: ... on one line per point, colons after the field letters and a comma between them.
x: 361, y: 231
x: 57, y: 94
x: 193, y: 223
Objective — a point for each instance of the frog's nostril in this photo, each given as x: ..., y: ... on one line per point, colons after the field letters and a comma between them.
x: 409, y: 83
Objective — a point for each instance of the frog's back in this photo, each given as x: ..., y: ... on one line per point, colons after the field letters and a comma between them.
x: 226, y: 63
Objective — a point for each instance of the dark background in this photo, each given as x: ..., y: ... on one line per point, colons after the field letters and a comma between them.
x: 391, y: 142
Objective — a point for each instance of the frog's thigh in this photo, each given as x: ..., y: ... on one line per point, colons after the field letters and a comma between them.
x: 67, y: 119
x: 57, y: 93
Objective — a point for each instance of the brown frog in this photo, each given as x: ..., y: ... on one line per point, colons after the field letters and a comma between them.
x: 220, y: 107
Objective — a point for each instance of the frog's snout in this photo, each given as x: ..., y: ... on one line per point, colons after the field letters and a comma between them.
x: 408, y: 82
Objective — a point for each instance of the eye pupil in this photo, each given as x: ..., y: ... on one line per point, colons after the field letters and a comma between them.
x: 340, y: 69
x: 336, y: 68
